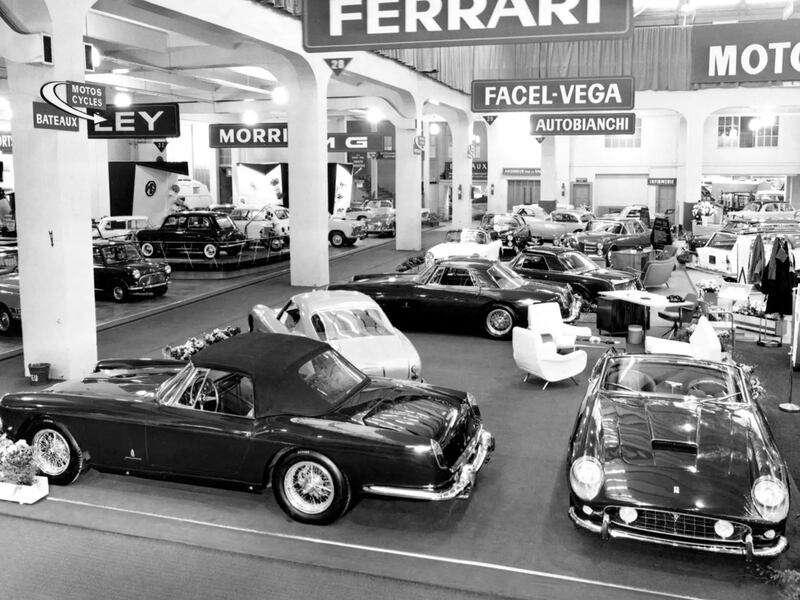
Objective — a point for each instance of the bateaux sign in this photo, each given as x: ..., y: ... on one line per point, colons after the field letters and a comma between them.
x: 600, y: 93
x: 584, y: 124
x: 736, y: 52
x: 137, y: 121
x: 374, y: 24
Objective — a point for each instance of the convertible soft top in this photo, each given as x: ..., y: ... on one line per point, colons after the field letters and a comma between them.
x: 271, y: 360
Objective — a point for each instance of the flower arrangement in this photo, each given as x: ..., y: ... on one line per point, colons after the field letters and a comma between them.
x: 16, y: 462
x: 704, y: 208
x: 708, y: 286
x: 756, y: 387
x: 749, y: 308
x: 194, y: 344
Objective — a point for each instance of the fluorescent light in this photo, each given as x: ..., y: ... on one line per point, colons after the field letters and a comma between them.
x: 97, y: 58
x: 249, y: 117
x: 122, y: 99
x: 280, y: 95
x: 374, y: 115
x: 435, y: 129
x: 121, y: 71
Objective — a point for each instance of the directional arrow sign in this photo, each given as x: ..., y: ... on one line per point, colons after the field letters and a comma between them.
x: 55, y: 94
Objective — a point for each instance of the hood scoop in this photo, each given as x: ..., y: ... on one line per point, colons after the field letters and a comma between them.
x: 674, y: 446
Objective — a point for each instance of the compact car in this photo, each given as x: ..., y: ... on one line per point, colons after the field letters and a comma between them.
x: 189, y: 232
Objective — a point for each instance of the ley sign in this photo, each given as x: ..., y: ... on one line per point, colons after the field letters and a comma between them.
x: 596, y: 93
x: 375, y: 24
x: 137, y: 121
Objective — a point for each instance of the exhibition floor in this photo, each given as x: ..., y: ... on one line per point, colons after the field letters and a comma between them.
x: 113, y: 536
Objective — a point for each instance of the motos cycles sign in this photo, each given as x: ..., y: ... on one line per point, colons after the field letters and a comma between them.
x: 276, y: 135
x: 374, y: 24
x: 597, y: 93
x: 737, y: 52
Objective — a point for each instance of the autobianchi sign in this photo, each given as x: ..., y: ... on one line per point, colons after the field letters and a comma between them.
x: 374, y: 24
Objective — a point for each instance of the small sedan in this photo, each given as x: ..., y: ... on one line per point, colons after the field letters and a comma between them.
x: 605, y: 235
x: 188, y: 232
x: 675, y: 451
x: 470, y: 291
x: 511, y: 230
x: 557, y: 264
x: 558, y: 223
x: 120, y: 270
x: 382, y: 224
x: 465, y: 242
x: 258, y: 410
x: 352, y: 323
x: 266, y: 224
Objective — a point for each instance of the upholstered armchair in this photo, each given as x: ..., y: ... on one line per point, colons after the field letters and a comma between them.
x: 540, y: 358
x: 545, y: 319
x: 703, y: 343
x: 657, y: 272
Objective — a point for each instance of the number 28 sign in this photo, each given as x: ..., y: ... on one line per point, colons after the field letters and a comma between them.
x: 338, y: 65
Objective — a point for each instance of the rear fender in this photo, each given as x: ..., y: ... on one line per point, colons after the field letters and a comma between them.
x: 265, y: 319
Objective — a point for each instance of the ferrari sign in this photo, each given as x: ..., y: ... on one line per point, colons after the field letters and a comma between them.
x: 597, y: 93
x: 375, y: 24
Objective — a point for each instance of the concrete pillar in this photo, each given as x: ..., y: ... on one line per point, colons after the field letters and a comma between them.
x: 54, y: 175
x: 100, y: 193
x: 408, y: 201
x: 792, y: 191
x: 461, y: 130
x: 308, y: 160
x: 427, y: 199
x: 690, y: 172
x: 497, y: 191
x: 555, y: 171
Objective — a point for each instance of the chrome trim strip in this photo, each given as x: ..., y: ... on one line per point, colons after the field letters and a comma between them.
x: 747, y: 550
x: 460, y: 487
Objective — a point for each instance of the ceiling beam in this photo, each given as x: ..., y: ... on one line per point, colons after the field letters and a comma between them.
x: 103, y: 27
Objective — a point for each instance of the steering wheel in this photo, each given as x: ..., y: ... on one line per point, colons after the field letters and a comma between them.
x: 706, y: 387
x: 204, y: 395
x: 634, y: 381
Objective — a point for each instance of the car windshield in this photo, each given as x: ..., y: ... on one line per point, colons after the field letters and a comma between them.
x: 348, y: 323
x: 670, y: 377
x: 575, y: 261
x: 224, y: 222
x: 725, y: 241
x: 331, y: 377
x: 505, y: 278
x: 504, y: 223
x: 610, y: 226
x: 172, y: 388
x: 466, y: 236
x: 756, y: 206
x: 281, y: 213
x: 121, y: 254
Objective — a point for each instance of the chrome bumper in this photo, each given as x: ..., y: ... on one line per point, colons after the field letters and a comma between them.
x: 461, y: 486
x: 144, y: 288
x: 574, y: 310
x: 746, y: 549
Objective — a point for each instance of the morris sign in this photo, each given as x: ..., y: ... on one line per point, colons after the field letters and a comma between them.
x: 375, y: 24
x: 737, y: 52
x: 597, y: 93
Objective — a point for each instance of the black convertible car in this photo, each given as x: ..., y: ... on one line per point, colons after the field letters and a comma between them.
x: 675, y: 451
x: 257, y: 410
x: 187, y: 232
x: 474, y: 291
x: 557, y: 264
x: 120, y: 270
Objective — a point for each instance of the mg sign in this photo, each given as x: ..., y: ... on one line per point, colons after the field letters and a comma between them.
x: 364, y: 142
x: 375, y: 24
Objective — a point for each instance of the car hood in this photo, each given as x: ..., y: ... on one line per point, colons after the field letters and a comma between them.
x: 143, y: 266
x: 393, y: 278
x: 381, y: 356
x: 596, y: 236
x: 119, y: 384
x: 679, y: 454
x: 609, y: 275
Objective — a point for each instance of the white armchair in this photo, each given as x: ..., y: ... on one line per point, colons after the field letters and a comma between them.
x: 540, y: 358
x: 703, y: 343
x: 545, y: 319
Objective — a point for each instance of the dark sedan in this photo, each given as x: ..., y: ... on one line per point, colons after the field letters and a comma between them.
x: 471, y: 291
x: 186, y: 232
x: 675, y: 451
x: 605, y: 235
x: 120, y: 270
x: 511, y: 230
x: 254, y: 410
x: 558, y: 264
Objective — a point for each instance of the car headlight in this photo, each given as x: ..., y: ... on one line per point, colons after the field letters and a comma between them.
x: 437, y: 452
x: 429, y: 257
x: 771, y: 498
x: 413, y: 371
x: 167, y: 269
x: 471, y: 400
x: 586, y: 477
x: 510, y: 237
x: 135, y: 273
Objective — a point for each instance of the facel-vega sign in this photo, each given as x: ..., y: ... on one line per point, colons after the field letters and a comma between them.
x: 373, y: 24
x: 735, y: 52
x: 601, y: 93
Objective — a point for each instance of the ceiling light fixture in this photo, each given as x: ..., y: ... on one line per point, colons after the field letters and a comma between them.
x: 249, y: 117
x: 122, y: 99
x: 280, y: 95
x: 121, y: 71
x: 435, y: 129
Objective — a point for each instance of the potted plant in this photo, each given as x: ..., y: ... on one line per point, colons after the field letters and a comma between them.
x: 702, y: 211
x: 195, y: 344
x: 752, y: 316
x: 709, y: 288
x: 18, y: 479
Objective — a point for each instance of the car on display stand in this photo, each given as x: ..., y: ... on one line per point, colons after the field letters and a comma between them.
x: 10, y: 307
x: 676, y: 451
x: 762, y: 210
x: 352, y: 323
x: 602, y: 236
x: 429, y: 218
x: 120, y: 270
x: 382, y: 224
x: 530, y: 213
x: 366, y: 210
x: 268, y: 223
x: 558, y: 264
x: 345, y: 232
x: 560, y: 222
x: 511, y: 230
x: 465, y: 242
x: 462, y: 291
x: 122, y: 227
x: 259, y: 410
x: 187, y: 232
x: 632, y: 211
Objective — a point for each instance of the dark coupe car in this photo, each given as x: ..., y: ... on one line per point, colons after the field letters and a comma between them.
x: 192, y: 231
x: 511, y: 230
x: 471, y: 291
x: 120, y: 270
x: 605, y: 235
x: 676, y: 451
x: 258, y: 410
x: 558, y: 264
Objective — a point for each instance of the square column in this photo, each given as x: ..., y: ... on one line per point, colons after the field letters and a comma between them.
x: 461, y: 130
x: 690, y: 173
x: 408, y: 187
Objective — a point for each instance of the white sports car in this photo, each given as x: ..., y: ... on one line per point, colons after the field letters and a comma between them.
x: 352, y: 323
x: 465, y: 242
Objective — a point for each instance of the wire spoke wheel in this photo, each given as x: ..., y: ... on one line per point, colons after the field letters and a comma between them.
x: 308, y: 487
x: 51, y: 452
x: 5, y: 321
x: 499, y: 321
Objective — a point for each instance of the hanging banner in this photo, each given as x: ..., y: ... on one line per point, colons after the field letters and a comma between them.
x: 373, y: 25
x: 737, y: 52
x: 594, y: 93
x: 586, y: 124
x: 136, y: 121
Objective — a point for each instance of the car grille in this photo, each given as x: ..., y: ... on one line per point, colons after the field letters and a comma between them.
x: 357, y: 230
x: 681, y: 525
x: 153, y: 279
x: 590, y: 247
x: 459, y: 438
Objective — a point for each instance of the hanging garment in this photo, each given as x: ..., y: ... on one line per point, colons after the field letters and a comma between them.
x: 777, y: 279
x: 756, y: 264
